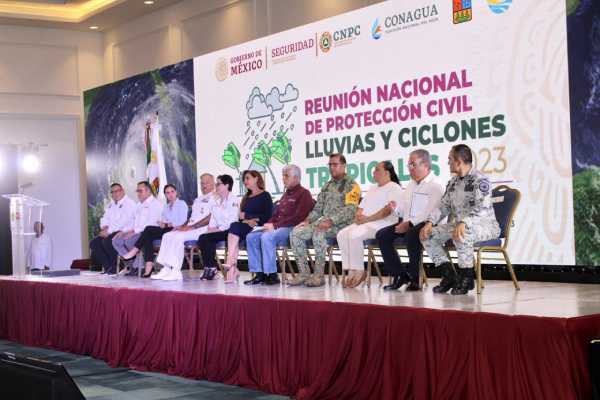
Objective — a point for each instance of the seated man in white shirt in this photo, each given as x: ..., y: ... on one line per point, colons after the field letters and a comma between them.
x: 422, y: 196
x: 39, y: 255
x: 118, y: 217
x: 171, y: 252
x: 147, y: 213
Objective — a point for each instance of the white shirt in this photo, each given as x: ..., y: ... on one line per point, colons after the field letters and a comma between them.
x: 40, y: 252
x: 224, y: 212
x: 202, y: 206
x: 148, y: 213
x: 175, y: 214
x: 378, y: 197
x: 420, y: 199
x: 119, y: 216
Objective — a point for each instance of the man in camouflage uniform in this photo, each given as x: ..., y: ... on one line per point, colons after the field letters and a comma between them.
x: 335, y: 209
x: 468, y: 200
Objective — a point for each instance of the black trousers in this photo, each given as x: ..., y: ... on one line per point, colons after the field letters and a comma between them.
x: 103, y: 253
x: 149, y: 235
x: 386, y: 236
x: 207, y: 244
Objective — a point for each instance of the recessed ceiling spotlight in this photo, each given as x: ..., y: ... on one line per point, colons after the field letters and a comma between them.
x: 93, y: 27
x: 149, y: 2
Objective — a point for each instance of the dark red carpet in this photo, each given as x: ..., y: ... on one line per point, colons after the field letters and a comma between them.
x: 307, y: 349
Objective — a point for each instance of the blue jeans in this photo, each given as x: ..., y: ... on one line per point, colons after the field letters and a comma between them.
x: 262, y: 246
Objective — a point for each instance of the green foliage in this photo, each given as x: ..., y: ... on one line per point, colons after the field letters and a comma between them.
x: 88, y: 100
x: 281, y: 149
x: 95, y: 213
x: 586, y: 192
x: 262, y: 154
x: 572, y: 6
x: 231, y: 156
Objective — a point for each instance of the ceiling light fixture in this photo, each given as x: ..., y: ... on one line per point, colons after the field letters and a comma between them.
x: 149, y: 2
x: 93, y: 27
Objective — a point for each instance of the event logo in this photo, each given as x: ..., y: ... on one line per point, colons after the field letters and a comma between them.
x: 222, y: 69
x: 376, y: 29
x: 499, y: 6
x: 266, y: 137
x: 325, y: 42
x: 341, y: 37
x: 240, y: 64
x: 462, y: 11
x: 290, y: 51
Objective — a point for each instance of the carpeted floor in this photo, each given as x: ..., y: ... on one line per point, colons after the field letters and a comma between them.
x: 98, y: 381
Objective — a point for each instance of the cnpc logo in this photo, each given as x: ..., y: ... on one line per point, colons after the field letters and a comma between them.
x: 341, y: 36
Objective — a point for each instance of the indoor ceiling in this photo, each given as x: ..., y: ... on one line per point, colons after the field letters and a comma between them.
x: 76, y: 14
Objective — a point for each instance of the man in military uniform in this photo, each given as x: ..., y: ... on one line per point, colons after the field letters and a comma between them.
x: 335, y: 209
x: 468, y: 200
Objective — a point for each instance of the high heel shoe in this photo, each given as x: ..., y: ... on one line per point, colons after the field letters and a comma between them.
x: 355, y: 282
x: 147, y: 274
x: 129, y: 256
x: 233, y: 274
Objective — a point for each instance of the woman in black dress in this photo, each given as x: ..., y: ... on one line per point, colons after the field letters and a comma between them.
x: 255, y: 209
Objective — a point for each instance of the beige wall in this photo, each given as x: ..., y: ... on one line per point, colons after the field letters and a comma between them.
x: 42, y: 75
x: 195, y: 27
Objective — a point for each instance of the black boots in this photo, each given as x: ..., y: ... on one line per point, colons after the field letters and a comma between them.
x: 465, y: 281
x: 449, y: 278
x: 413, y: 286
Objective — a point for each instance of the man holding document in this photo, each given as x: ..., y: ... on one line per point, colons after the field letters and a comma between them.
x: 420, y: 198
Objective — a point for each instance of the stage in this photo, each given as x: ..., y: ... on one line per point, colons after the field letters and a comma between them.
x: 319, y: 343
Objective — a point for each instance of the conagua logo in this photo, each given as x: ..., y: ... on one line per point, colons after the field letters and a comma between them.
x: 376, y: 30
x: 396, y: 21
x: 221, y: 69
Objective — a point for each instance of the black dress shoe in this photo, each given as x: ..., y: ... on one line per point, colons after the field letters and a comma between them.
x: 204, y: 272
x: 272, y: 279
x: 449, y: 278
x: 413, y: 286
x: 132, y: 272
x: 397, y: 282
x: 259, y: 278
x: 465, y: 281
x: 209, y: 274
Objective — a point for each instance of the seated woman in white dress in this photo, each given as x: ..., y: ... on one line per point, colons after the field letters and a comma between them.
x: 373, y: 214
